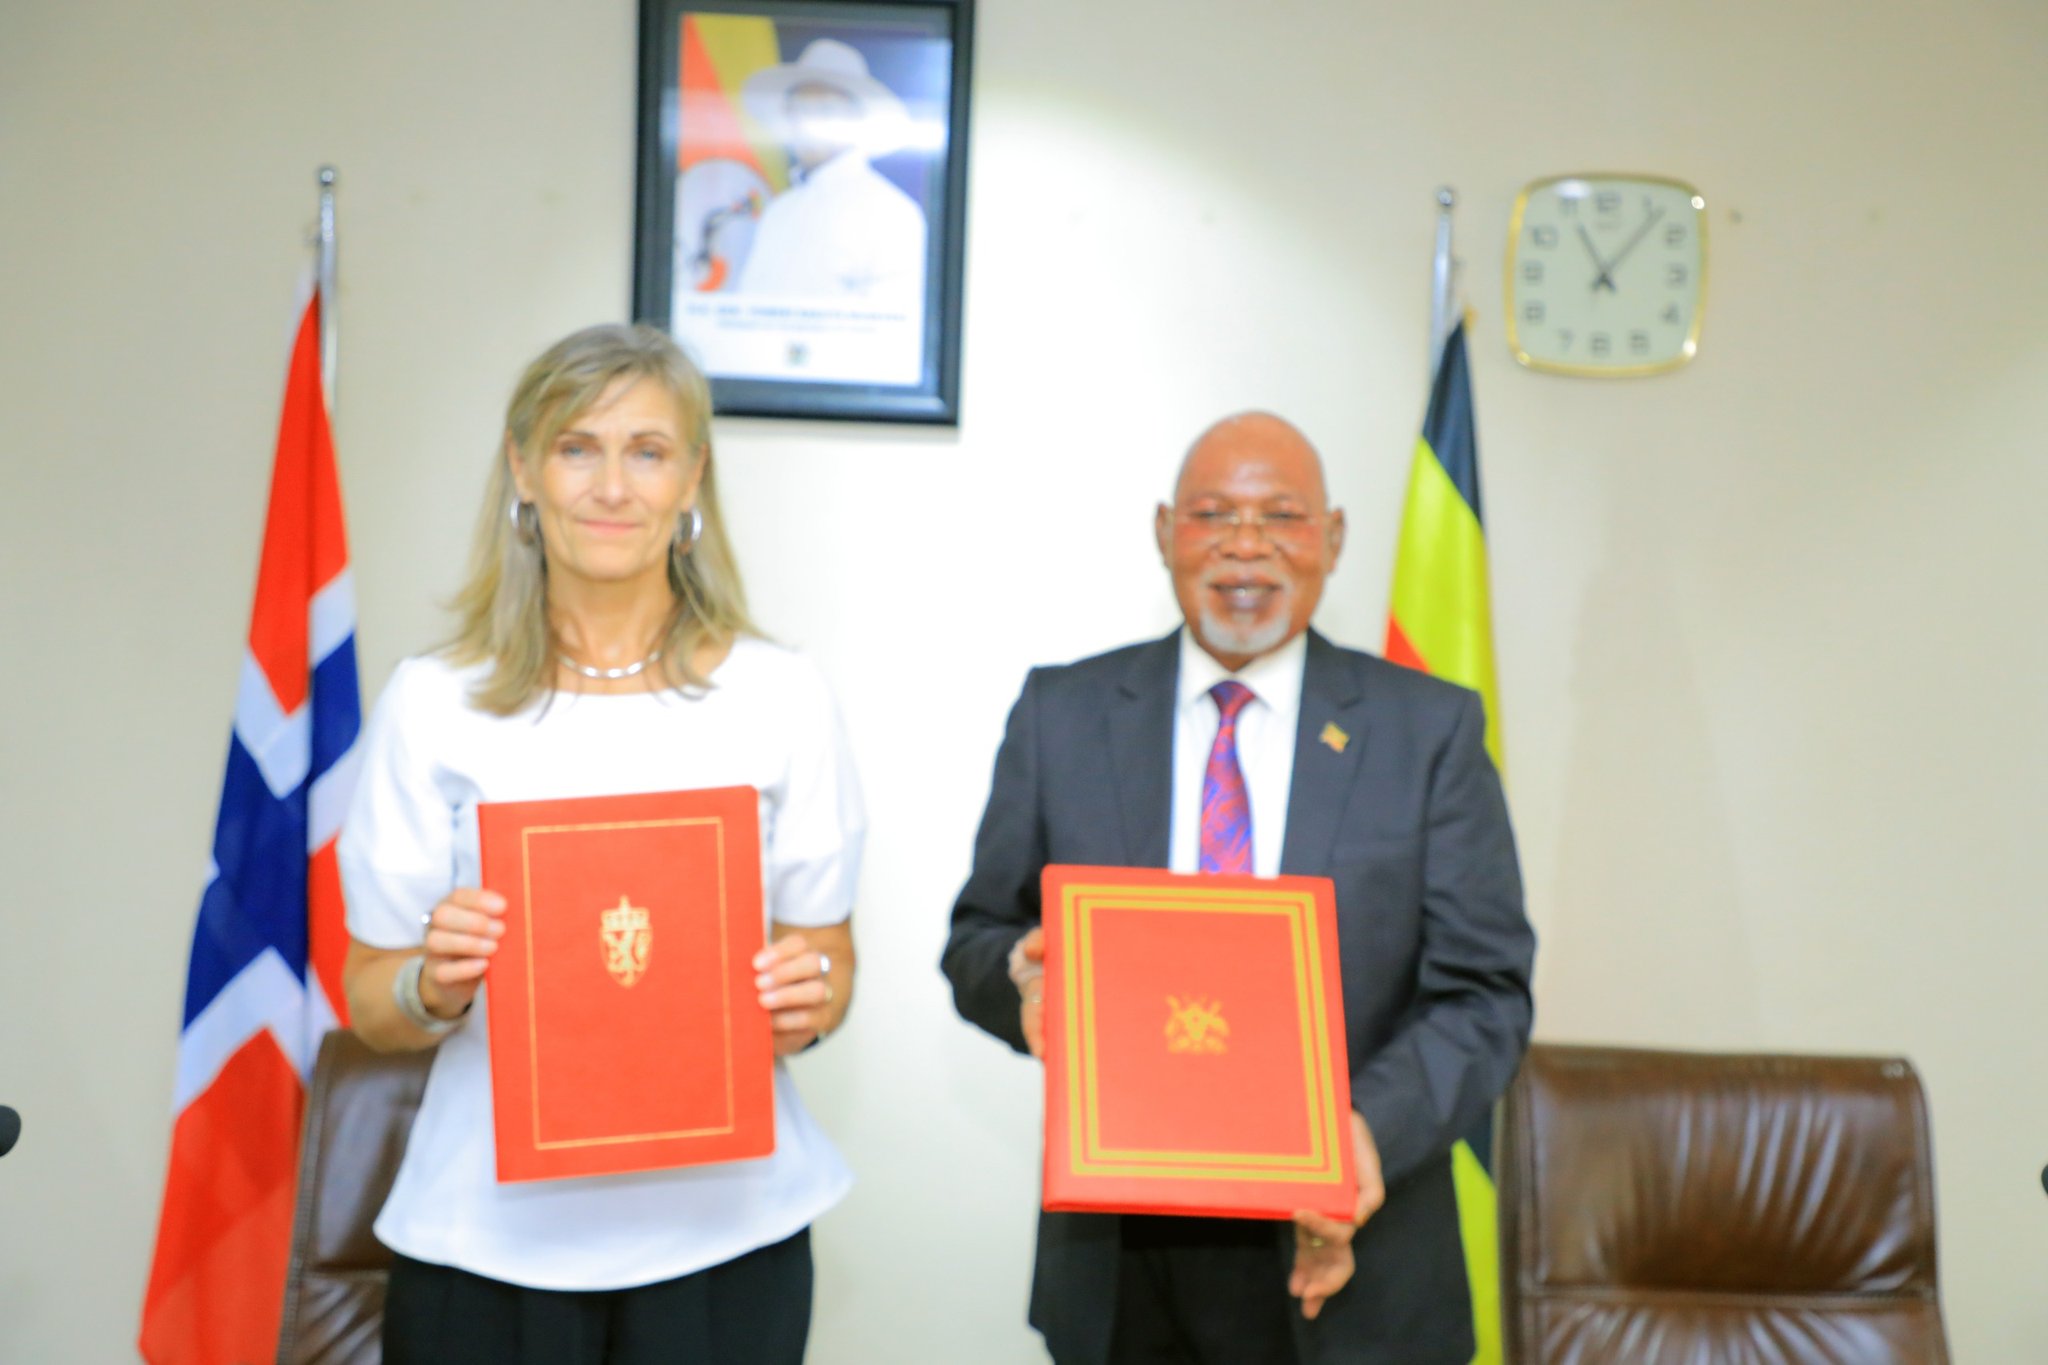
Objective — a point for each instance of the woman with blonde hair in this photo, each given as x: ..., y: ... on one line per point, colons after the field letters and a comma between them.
x: 603, y: 647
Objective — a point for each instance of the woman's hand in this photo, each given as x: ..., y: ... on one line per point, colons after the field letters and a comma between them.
x: 806, y: 981
x: 462, y: 936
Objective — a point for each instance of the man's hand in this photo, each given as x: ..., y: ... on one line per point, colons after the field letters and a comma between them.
x: 1027, y: 970
x: 1323, y: 1262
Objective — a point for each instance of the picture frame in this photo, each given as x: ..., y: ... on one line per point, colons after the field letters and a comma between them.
x: 800, y: 219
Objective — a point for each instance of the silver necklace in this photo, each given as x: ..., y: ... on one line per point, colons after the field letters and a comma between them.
x: 608, y: 674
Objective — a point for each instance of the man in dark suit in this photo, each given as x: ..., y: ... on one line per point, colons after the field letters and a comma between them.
x: 1342, y: 766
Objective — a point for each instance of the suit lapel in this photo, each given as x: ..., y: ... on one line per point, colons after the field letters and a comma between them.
x: 1329, y: 741
x: 1141, y: 750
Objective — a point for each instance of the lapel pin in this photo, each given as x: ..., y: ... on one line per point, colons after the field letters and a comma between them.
x: 1335, y: 737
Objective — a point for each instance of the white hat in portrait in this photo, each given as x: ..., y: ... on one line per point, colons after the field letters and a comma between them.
x: 884, y: 122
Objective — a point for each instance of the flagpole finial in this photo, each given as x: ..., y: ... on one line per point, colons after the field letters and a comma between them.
x: 330, y: 329
x: 1443, y: 278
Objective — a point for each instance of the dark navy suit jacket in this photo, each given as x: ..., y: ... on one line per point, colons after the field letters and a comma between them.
x: 1409, y: 822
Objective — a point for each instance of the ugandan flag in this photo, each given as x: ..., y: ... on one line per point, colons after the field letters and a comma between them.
x: 1442, y: 623
x: 719, y: 52
x: 1441, y: 620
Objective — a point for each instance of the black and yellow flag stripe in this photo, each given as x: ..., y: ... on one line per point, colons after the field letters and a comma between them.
x: 1441, y: 621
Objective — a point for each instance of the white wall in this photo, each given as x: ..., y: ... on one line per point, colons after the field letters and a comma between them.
x: 1772, y: 683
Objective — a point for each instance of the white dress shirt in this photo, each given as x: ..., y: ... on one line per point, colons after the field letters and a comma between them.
x: 1265, y: 747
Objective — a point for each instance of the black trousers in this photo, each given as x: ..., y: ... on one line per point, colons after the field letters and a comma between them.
x: 753, y: 1310
x: 1201, y: 1291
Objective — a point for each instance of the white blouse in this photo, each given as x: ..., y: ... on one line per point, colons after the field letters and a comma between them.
x: 768, y: 722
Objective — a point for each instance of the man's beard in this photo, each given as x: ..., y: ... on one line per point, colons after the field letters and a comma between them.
x: 1251, y: 639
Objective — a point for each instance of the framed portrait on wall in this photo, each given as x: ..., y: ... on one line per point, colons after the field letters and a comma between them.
x: 800, y: 212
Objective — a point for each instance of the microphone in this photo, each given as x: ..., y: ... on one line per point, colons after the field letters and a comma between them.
x: 10, y: 1129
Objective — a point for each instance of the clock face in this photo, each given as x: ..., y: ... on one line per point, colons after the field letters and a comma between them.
x: 1606, y: 274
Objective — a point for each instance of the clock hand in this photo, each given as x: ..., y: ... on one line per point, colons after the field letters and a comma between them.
x: 1603, y: 277
x: 1630, y: 245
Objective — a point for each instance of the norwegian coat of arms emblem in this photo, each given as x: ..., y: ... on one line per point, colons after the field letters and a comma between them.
x: 626, y: 932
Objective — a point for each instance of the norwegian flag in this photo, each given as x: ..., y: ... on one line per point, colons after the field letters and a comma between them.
x: 264, y: 982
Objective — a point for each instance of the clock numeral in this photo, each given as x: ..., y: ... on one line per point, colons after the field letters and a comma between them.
x: 1675, y: 235
x: 1607, y: 202
x: 1649, y: 206
x: 1533, y: 311
x: 1601, y: 343
x: 1569, y: 206
x: 1564, y: 338
x: 1532, y: 271
x: 1639, y: 343
x: 1671, y: 315
x: 1543, y: 235
x: 1675, y: 275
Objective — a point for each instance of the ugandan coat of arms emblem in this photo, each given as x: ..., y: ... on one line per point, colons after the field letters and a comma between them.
x: 1197, y: 1026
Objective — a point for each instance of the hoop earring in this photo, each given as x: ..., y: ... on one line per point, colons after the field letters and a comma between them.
x: 528, y: 531
x: 682, y: 546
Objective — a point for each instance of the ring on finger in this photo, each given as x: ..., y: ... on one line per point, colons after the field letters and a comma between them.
x: 824, y: 965
x: 1316, y: 1243
x: 828, y: 993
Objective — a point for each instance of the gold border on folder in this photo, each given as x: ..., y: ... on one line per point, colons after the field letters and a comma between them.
x: 1322, y: 1163
x: 533, y: 994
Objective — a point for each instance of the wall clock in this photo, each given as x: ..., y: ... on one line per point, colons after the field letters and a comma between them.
x: 1607, y: 274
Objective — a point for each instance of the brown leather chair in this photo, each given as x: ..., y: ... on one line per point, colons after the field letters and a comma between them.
x: 357, y: 1117
x: 1667, y: 1207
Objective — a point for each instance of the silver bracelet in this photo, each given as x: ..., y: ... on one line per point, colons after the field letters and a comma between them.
x: 405, y: 991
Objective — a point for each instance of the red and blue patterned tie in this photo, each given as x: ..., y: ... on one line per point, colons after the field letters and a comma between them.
x: 1226, y: 807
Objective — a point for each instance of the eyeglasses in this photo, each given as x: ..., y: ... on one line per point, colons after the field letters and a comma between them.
x: 1214, y: 525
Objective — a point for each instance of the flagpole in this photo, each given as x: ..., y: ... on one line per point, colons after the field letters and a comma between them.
x: 1442, y: 284
x: 263, y: 979
x: 330, y: 326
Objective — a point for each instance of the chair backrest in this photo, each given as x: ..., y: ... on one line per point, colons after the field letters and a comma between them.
x: 357, y: 1117
x: 1667, y: 1207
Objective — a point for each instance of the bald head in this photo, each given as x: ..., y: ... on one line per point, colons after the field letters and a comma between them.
x: 1249, y: 537
x: 1260, y: 438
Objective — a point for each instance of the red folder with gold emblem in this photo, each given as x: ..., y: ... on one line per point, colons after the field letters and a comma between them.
x: 1194, y: 1045
x: 626, y: 1030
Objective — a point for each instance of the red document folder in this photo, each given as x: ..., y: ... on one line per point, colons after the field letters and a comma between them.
x: 626, y: 1030
x: 1194, y: 1045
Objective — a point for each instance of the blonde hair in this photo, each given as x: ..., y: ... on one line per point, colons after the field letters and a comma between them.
x: 502, y: 607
